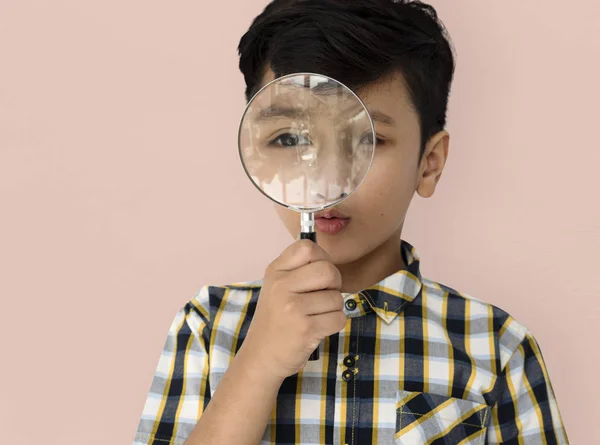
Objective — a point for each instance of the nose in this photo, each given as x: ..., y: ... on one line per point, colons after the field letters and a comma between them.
x: 335, y: 198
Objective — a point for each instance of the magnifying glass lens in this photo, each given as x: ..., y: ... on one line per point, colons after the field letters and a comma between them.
x: 306, y: 141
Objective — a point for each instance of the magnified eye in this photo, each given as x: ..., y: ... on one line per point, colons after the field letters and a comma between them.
x: 287, y: 140
x: 368, y: 139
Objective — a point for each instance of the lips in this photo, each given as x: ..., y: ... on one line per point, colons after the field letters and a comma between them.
x: 330, y: 213
x: 331, y: 221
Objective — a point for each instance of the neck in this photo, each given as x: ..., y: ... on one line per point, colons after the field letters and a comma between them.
x: 373, y: 267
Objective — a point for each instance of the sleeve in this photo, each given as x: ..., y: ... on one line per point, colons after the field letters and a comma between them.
x: 180, y: 389
x: 526, y: 411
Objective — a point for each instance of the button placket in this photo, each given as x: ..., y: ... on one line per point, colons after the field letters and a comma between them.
x: 350, y: 374
x: 349, y: 361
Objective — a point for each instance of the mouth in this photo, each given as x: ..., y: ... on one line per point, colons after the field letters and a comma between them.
x: 331, y: 221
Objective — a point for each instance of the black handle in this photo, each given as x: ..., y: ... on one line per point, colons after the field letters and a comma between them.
x: 313, y: 237
x: 310, y: 235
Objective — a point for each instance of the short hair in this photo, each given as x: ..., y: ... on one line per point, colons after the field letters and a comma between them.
x: 356, y: 42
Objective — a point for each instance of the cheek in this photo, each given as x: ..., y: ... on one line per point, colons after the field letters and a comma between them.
x: 389, y: 186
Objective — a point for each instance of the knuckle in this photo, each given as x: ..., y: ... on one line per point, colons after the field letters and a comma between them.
x: 333, y: 274
x: 295, y: 305
x: 304, y: 327
x: 291, y: 306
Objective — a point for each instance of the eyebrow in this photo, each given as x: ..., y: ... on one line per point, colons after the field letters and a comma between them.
x: 382, y: 118
x: 275, y: 112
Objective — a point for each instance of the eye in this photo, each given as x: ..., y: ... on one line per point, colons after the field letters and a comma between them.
x: 289, y: 140
x: 368, y: 139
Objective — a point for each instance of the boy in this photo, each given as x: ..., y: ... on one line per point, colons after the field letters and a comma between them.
x: 402, y: 359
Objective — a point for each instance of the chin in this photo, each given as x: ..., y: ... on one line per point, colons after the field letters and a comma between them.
x: 342, y: 251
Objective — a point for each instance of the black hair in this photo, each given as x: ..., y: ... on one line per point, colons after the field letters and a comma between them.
x: 356, y: 42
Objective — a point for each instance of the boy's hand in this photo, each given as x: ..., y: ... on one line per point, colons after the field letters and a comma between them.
x: 299, y: 304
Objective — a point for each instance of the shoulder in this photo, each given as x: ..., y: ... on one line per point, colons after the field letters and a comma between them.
x: 484, y: 319
x: 212, y: 299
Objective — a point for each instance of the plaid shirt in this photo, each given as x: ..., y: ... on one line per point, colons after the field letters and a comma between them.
x: 417, y: 363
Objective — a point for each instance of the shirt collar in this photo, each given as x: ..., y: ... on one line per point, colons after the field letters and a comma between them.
x: 388, y: 297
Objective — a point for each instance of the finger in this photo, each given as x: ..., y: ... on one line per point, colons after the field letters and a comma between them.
x: 329, y: 323
x: 321, y: 302
x: 312, y: 277
x: 298, y: 254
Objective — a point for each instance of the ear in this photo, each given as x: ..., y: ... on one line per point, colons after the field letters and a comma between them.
x: 432, y: 163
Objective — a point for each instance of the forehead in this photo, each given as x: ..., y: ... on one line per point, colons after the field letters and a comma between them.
x: 388, y: 96
x: 295, y: 100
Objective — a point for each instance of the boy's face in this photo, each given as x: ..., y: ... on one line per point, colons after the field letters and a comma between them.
x: 376, y: 211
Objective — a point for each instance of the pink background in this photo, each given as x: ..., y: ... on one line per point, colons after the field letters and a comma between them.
x: 121, y: 194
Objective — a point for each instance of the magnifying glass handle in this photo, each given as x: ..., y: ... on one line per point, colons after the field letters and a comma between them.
x: 308, y: 232
x: 313, y: 237
x: 310, y: 235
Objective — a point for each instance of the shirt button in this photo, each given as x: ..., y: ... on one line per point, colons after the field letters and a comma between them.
x: 350, y: 304
x: 349, y: 361
x: 347, y: 375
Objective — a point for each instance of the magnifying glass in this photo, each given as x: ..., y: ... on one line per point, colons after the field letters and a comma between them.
x: 306, y: 142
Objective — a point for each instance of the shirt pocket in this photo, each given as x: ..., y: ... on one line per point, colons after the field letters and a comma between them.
x: 424, y: 418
